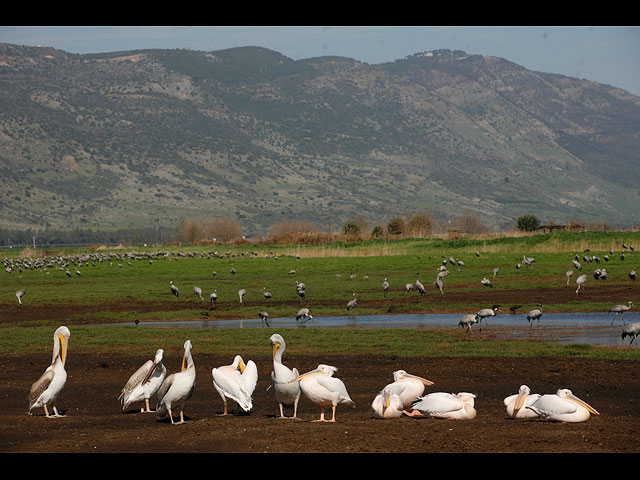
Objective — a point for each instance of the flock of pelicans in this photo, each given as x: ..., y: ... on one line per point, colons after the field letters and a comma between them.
x: 236, y: 382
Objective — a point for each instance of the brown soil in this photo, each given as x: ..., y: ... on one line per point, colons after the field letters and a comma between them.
x: 94, y: 421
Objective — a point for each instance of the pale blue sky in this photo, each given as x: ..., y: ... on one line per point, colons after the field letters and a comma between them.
x: 609, y: 55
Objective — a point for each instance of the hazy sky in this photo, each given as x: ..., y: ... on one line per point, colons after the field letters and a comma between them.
x: 609, y: 55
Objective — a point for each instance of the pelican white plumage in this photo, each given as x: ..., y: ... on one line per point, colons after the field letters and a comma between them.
x: 46, y: 389
x: 323, y: 389
x: 407, y: 386
x: 387, y: 405
x: 632, y: 330
x: 516, y: 403
x: 236, y: 382
x: 619, y: 310
x: 177, y: 388
x: 580, y: 281
x: 459, y: 406
x: 286, y: 393
x: 563, y: 406
x: 144, y: 383
x: 533, y: 315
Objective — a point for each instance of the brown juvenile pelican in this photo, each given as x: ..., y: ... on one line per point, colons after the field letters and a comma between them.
x: 144, y: 383
x: 47, y: 388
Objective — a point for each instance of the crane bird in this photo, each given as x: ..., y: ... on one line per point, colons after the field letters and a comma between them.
x: 301, y: 289
x: 387, y: 405
x: 580, y: 281
x: 486, y: 282
x: 241, y: 293
x: 304, y: 314
x: 632, y: 330
x: 568, y: 274
x: 467, y: 320
x: 212, y: 298
x: 408, y: 387
x: 144, y: 383
x: 516, y: 403
x: 385, y: 287
x: 198, y: 292
x: 419, y: 286
x: 174, y: 289
x: 632, y: 274
x: 264, y: 316
x: 236, y: 382
x: 534, y: 314
x: 563, y: 406
x: 619, y: 310
x: 286, y: 393
x: 486, y: 312
x: 351, y: 304
x: 19, y: 295
x: 323, y: 389
x: 446, y: 405
x: 514, y: 308
x: 177, y: 388
x: 439, y: 283
x: 495, y: 271
x: 266, y: 294
x: 46, y: 389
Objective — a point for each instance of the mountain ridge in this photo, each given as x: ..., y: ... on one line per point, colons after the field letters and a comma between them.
x: 153, y: 137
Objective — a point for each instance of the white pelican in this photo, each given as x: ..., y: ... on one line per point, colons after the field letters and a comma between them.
x: 286, y: 393
x: 177, y: 388
x: 144, y: 383
x: 407, y: 386
x: 563, y: 406
x: 447, y: 405
x: 47, y: 388
x: 236, y: 382
x: 516, y: 403
x: 387, y: 405
x: 321, y: 388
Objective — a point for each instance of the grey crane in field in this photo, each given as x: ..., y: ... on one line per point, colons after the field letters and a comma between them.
x: 20, y: 294
x: 174, y: 289
x: 533, y: 315
x: 486, y: 282
x: 352, y: 303
x: 632, y: 274
x: 467, y: 320
x: 486, y: 312
x: 304, y: 314
x: 580, y: 281
x: 198, y: 292
x: 301, y: 289
x: 241, y: 293
x: 213, y: 297
x: 264, y: 316
x: 419, y: 285
x: 568, y: 274
x: 385, y: 287
x: 266, y: 294
x: 632, y: 330
x: 619, y: 310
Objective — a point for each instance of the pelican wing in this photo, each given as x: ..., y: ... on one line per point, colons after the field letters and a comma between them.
x: 554, y: 405
x: 250, y: 377
x: 164, y: 388
x: 438, y: 403
x: 229, y: 383
x: 136, y: 379
x: 40, y: 385
x: 335, y: 385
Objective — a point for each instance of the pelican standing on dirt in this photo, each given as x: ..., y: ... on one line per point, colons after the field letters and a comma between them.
x: 407, y: 386
x: 563, y: 406
x: 619, y: 310
x: 446, y: 405
x: 516, y: 403
x: 46, y: 389
x: 632, y: 330
x: 144, y: 383
x: 286, y: 393
x: 236, y: 382
x: 323, y: 389
x: 387, y: 405
x: 177, y: 388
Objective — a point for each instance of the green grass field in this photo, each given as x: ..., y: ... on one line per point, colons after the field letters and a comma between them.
x: 331, y: 273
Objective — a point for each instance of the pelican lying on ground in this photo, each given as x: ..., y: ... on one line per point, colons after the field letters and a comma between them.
x: 286, y: 393
x: 47, y: 388
x: 446, y: 405
x: 563, y: 406
x: 387, y: 405
x: 323, y: 389
x: 407, y: 386
x: 144, y: 383
x: 177, y: 388
x: 236, y: 382
x: 516, y: 403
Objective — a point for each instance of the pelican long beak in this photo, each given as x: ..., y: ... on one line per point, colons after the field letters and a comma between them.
x: 242, y: 366
x: 300, y: 377
x: 63, y: 347
x: 275, y: 348
x: 583, y: 403
x: 150, y: 372
x: 387, y: 399
x: 522, y: 396
x: 423, y: 380
x: 184, y: 361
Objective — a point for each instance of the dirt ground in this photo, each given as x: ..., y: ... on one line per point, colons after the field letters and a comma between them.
x: 95, y: 423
